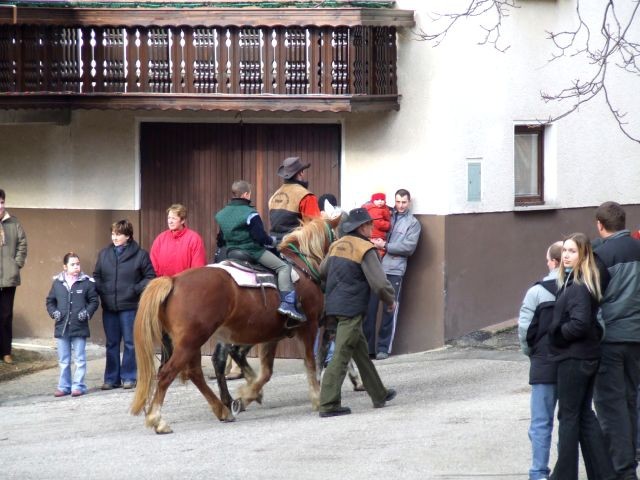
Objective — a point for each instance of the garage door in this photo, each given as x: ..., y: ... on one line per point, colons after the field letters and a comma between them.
x: 195, y: 164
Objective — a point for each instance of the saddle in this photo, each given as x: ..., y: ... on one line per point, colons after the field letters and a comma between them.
x: 245, y: 272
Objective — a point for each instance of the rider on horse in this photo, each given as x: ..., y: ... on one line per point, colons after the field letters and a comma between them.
x: 241, y: 228
x: 291, y: 203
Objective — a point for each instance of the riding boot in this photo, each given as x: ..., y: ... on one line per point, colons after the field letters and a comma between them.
x: 288, y: 307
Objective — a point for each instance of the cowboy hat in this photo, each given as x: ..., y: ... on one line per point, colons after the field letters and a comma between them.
x: 357, y: 217
x: 291, y: 166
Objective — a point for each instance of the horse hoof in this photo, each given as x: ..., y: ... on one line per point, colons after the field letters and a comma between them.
x: 237, y: 406
x: 164, y: 430
x: 359, y: 388
x: 259, y: 398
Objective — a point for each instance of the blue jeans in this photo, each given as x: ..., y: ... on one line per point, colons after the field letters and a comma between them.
x: 118, y: 326
x: 543, y: 404
x: 65, y: 346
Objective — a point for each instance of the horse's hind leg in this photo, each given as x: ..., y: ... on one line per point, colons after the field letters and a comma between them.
x: 197, y: 377
x: 166, y: 375
x: 253, y: 391
x: 219, y: 360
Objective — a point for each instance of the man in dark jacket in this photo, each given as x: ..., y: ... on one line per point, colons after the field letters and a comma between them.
x: 122, y: 271
x: 535, y: 317
x: 616, y: 387
x: 352, y: 269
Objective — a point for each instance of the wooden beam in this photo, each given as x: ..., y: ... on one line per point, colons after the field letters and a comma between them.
x: 208, y: 17
x: 218, y: 102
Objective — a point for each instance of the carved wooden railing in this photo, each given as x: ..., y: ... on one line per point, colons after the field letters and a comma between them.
x: 89, y: 60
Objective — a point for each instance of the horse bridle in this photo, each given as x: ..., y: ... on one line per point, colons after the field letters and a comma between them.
x: 312, y: 273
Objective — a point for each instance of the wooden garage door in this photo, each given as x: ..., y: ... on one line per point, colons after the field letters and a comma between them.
x: 195, y: 164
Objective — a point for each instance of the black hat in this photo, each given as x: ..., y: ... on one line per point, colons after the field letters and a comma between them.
x: 291, y: 166
x: 357, y: 217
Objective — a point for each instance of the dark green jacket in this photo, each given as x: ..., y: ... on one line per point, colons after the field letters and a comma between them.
x: 13, y: 251
x: 233, y: 221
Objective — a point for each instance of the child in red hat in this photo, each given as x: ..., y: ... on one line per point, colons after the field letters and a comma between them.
x: 381, y: 215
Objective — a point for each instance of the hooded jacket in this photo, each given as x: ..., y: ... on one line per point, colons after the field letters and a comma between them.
x: 13, y: 251
x: 70, y: 301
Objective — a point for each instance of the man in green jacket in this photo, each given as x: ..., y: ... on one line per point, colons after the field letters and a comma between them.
x: 13, y: 253
x: 241, y: 228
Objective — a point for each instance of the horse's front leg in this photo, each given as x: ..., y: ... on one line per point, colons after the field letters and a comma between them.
x: 307, y: 337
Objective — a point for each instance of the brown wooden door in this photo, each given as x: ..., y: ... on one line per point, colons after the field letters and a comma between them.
x: 195, y: 164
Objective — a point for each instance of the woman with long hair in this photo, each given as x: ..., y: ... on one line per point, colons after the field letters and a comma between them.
x: 574, y: 337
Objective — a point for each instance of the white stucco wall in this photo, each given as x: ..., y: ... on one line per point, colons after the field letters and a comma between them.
x: 86, y: 164
x: 461, y: 100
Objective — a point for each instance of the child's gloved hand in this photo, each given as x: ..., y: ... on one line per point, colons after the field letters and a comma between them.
x: 83, y: 315
x: 56, y: 315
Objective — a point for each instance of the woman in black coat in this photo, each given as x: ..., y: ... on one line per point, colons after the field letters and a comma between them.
x: 574, y: 337
x: 122, y: 271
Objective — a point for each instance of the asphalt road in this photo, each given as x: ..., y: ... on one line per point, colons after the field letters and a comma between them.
x: 461, y: 413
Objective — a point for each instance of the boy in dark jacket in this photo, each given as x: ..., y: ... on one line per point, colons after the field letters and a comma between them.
x: 536, y: 314
x: 71, y: 302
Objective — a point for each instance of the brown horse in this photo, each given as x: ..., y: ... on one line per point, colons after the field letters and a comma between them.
x: 201, y: 302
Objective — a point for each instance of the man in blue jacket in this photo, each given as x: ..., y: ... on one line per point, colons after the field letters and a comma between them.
x: 616, y: 387
x: 401, y: 242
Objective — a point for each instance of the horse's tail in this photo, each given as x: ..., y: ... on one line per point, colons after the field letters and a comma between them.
x: 147, y: 332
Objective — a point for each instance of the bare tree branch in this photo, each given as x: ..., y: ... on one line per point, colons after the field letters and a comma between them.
x: 612, y: 47
x: 495, y: 10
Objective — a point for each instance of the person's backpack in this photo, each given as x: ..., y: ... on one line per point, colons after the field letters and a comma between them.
x: 542, y: 316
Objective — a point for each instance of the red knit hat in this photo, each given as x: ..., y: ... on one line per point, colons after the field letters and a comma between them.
x: 378, y: 196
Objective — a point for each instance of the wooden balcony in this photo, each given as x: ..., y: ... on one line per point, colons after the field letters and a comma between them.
x: 336, y: 60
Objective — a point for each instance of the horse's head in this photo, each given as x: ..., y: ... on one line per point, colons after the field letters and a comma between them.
x: 311, y: 239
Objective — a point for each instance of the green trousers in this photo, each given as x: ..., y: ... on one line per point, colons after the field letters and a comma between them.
x: 350, y: 343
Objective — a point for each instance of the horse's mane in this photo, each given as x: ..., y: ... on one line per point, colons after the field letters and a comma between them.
x: 310, y: 239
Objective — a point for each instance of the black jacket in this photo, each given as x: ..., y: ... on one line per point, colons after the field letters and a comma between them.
x: 542, y: 369
x: 575, y: 332
x: 121, y: 280
x: 70, y: 302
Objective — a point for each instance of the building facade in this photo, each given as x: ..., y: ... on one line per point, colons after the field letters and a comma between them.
x: 450, y: 123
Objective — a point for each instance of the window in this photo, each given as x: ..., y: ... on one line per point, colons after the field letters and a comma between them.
x: 529, y: 164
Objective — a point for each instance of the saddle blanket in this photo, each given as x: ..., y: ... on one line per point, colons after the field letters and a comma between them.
x: 246, y: 276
